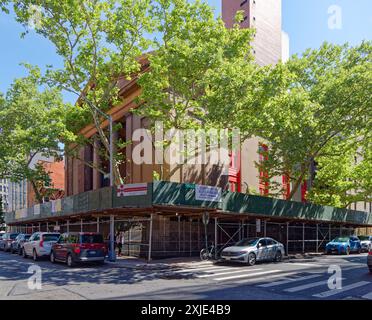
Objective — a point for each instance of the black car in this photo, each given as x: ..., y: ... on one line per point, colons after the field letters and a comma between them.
x: 17, y: 245
x: 77, y: 247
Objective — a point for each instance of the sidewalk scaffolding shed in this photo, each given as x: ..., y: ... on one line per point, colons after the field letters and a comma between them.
x: 166, y: 219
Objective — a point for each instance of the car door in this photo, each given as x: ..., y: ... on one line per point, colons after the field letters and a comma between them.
x: 271, y: 246
x: 58, y: 247
x: 261, y: 250
x: 354, y: 243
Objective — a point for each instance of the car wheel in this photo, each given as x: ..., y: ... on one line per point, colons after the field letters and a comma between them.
x: 328, y: 252
x: 20, y: 251
x: 251, y: 259
x: 52, y: 258
x: 70, y: 261
x: 11, y: 250
x: 34, y: 255
x: 359, y: 251
x: 24, y: 254
x: 370, y: 270
x: 278, y: 257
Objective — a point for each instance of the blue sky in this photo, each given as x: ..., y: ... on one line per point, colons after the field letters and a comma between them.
x: 306, y: 22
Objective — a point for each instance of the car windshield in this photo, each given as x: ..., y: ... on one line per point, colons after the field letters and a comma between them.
x: 362, y: 238
x: 247, y: 242
x: 91, y: 238
x: 13, y: 236
x: 51, y: 237
x: 27, y: 236
x: 341, y: 240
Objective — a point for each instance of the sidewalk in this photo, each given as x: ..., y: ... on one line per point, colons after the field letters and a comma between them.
x: 142, y: 264
x: 170, y: 263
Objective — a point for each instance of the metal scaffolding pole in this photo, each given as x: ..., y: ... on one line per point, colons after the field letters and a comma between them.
x: 190, y: 236
x: 215, y: 237
x: 97, y: 224
x: 330, y: 232
x: 317, y: 237
x: 39, y: 226
x: 287, y: 238
x: 265, y: 228
x: 179, y: 233
x: 68, y: 225
x: 303, y: 238
x: 47, y: 226
x: 150, y: 238
x: 112, y: 255
x: 81, y: 225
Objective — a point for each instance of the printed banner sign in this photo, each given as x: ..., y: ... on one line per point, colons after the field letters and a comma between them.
x: 207, y: 193
x: 134, y: 189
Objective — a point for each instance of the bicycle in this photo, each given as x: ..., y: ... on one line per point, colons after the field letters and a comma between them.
x: 207, y: 253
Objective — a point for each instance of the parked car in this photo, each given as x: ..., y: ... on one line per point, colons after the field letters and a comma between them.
x: 17, y: 244
x: 254, y: 249
x: 369, y: 260
x: 344, y: 245
x: 73, y: 248
x: 6, y: 240
x: 39, y: 244
x: 366, y: 242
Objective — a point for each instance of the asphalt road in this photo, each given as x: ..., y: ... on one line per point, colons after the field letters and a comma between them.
x: 292, y: 279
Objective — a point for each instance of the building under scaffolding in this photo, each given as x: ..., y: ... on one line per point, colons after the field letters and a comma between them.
x: 165, y: 219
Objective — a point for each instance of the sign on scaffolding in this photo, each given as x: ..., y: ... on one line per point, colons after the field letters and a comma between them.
x: 134, y: 189
x: 207, y: 193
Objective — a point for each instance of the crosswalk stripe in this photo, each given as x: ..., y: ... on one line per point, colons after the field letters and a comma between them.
x: 278, y: 283
x: 306, y: 264
x: 223, y: 273
x: 368, y: 296
x: 201, y: 269
x: 330, y: 293
x: 247, y: 275
x: 260, y: 279
x: 308, y: 286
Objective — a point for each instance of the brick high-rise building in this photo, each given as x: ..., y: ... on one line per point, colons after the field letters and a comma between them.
x: 265, y: 16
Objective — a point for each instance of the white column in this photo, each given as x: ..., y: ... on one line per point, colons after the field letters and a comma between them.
x: 97, y: 224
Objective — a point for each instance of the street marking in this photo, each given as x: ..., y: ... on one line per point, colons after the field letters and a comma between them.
x: 201, y: 269
x: 307, y: 264
x: 278, y: 283
x: 308, y: 286
x: 223, y: 273
x: 247, y: 275
x: 368, y: 296
x: 284, y: 275
x: 330, y: 293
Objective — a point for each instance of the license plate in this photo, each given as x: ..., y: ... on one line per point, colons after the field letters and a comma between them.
x: 92, y: 252
x: 227, y: 258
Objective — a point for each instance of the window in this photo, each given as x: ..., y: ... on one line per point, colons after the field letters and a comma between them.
x: 263, y: 174
x: 286, y: 186
x: 263, y: 242
x: 270, y: 242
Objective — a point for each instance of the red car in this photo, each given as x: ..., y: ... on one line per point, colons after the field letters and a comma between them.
x: 79, y: 247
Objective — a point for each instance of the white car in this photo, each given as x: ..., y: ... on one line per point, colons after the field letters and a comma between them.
x: 39, y: 245
x: 255, y: 249
x: 366, y: 242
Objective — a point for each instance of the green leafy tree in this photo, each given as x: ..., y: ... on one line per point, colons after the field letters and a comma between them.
x: 313, y: 108
x: 2, y: 214
x: 199, y: 71
x: 99, y: 42
x: 33, y: 122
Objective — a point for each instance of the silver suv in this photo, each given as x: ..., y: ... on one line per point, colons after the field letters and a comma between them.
x: 254, y: 249
x: 39, y: 245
